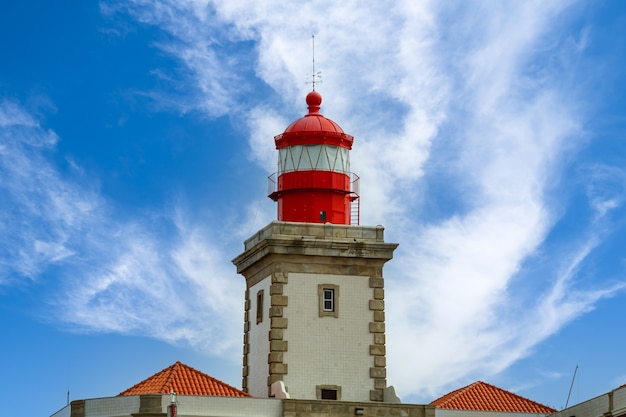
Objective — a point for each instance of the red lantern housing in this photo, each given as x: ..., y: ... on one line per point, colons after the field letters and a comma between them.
x: 314, y: 183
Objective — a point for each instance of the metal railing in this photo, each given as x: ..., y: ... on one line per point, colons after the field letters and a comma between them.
x: 272, y: 183
x: 355, y: 200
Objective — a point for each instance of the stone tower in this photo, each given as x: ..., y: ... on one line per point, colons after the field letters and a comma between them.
x: 314, y: 306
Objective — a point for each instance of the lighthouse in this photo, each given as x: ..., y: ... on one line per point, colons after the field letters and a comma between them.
x: 314, y: 182
x: 314, y: 315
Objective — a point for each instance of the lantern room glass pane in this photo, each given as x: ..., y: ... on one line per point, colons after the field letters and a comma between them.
x: 306, y: 162
x: 314, y: 157
x: 332, y: 152
x: 316, y: 154
x: 286, y: 161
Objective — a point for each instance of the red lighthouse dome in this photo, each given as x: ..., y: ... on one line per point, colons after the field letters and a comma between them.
x: 314, y: 182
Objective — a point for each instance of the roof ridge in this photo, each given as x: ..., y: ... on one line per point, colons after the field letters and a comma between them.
x: 144, y: 380
x: 483, y: 396
x: 170, y: 377
x: 517, y: 395
x: 184, y: 380
x: 208, y: 376
x: 454, y: 394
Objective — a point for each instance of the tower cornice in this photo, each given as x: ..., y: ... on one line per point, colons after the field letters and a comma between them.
x: 321, y: 241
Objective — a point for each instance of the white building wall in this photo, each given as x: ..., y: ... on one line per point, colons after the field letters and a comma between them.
x: 258, y: 341
x: 619, y: 401
x: 591, y: 408
x: 120, y: 406
x: 328, y: 350
x: 227, y: 407
x: 188, y: 405
x: 600, y: 406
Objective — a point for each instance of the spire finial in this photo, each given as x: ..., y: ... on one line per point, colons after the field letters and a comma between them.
x: 316, y: 77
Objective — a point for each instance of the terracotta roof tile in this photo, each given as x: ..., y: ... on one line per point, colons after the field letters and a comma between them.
x: 183, y: 380
x: 481, y: 396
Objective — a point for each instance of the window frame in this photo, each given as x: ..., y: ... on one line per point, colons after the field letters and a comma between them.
x: 322, y: 290
x: 320, y: 390
x: 259, y: 306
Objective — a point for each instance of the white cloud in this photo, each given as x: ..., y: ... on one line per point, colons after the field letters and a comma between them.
x: 33, y: 193
x: 396, y: 83
x: 177, y: 288
x: 115, y: 275
x: 605, y: 188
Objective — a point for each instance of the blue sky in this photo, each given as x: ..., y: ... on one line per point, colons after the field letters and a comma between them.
x: 135, y: 142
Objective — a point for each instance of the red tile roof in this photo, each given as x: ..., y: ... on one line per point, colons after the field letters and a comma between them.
x: 183, y: 380
x: 481, y: 396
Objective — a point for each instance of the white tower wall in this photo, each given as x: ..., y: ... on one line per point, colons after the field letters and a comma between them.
x: 331, y: 351
x: 259, y: 347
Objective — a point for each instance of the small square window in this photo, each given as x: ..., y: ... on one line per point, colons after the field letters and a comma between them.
x: 329, y: 394
x: 328, y: 300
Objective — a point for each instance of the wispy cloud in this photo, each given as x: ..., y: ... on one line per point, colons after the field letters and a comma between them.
x: 38, y: 206
x: 117, y: 274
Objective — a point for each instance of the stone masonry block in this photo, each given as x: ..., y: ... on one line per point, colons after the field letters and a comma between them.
x: 279, y: 278
x: 377, y: 350
x: 276, y: 357
x: 276, y: 311
x: 276, y: 289
x: 280, y: 346
x: 276, y: 334
x: 380, y: 383
x: 377, y: 282
x: 377, y: 327
x: 379, y: 338
x: 278, y: 322
x: 273, y: 378
x: 278, y: 368
x: 378, y: 373
x: 380, y: 361
x: 379, y: 294
x: 379, y: 316
x: 375, y: 304
x: 279, y: 300
x: 376, y: 395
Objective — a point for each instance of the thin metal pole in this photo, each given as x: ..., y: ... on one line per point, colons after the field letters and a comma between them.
x: 313, y: 76
x: 570, y: 387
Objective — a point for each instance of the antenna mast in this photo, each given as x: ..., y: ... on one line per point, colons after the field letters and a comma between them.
x: 570, y: 387
x: 315, y: 77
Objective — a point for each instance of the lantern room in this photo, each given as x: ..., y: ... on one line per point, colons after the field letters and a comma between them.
x: 314, y: 183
